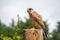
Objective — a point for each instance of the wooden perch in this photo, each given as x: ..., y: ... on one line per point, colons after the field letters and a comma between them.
x: 36, y: 34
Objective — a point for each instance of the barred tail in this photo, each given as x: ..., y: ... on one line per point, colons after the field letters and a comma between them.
x: 45, y: 33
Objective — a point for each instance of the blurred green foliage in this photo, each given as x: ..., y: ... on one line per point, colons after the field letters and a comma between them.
x: 15, y: 32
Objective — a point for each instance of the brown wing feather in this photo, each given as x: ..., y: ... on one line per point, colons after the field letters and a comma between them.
x: 36, y: 17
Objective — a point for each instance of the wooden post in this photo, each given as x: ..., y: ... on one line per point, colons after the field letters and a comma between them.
x: 36, y: 34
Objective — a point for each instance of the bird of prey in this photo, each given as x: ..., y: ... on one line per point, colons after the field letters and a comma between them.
x: 36, y: 18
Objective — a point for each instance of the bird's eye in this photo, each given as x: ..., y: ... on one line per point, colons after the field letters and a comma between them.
x: 30, y: 9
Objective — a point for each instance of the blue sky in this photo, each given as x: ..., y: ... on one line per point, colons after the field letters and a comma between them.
x: 48, y: 9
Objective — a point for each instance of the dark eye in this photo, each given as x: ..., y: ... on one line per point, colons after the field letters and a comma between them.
x: 30, y: 9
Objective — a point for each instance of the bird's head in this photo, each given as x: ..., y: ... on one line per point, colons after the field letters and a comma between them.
x: 29, y: 10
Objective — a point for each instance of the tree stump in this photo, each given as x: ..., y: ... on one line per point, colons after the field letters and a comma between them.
x: 36, y: 34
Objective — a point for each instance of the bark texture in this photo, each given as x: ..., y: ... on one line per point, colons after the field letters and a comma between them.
x: 36, y: 34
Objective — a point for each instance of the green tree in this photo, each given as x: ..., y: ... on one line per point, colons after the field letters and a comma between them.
x: 2, y: 27
x: 56, y: 32
x: 18, y: 30
x: 13, y: 23
x: 8, y: 31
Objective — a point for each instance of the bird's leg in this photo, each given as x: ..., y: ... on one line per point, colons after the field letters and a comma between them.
x: 36, y: 26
